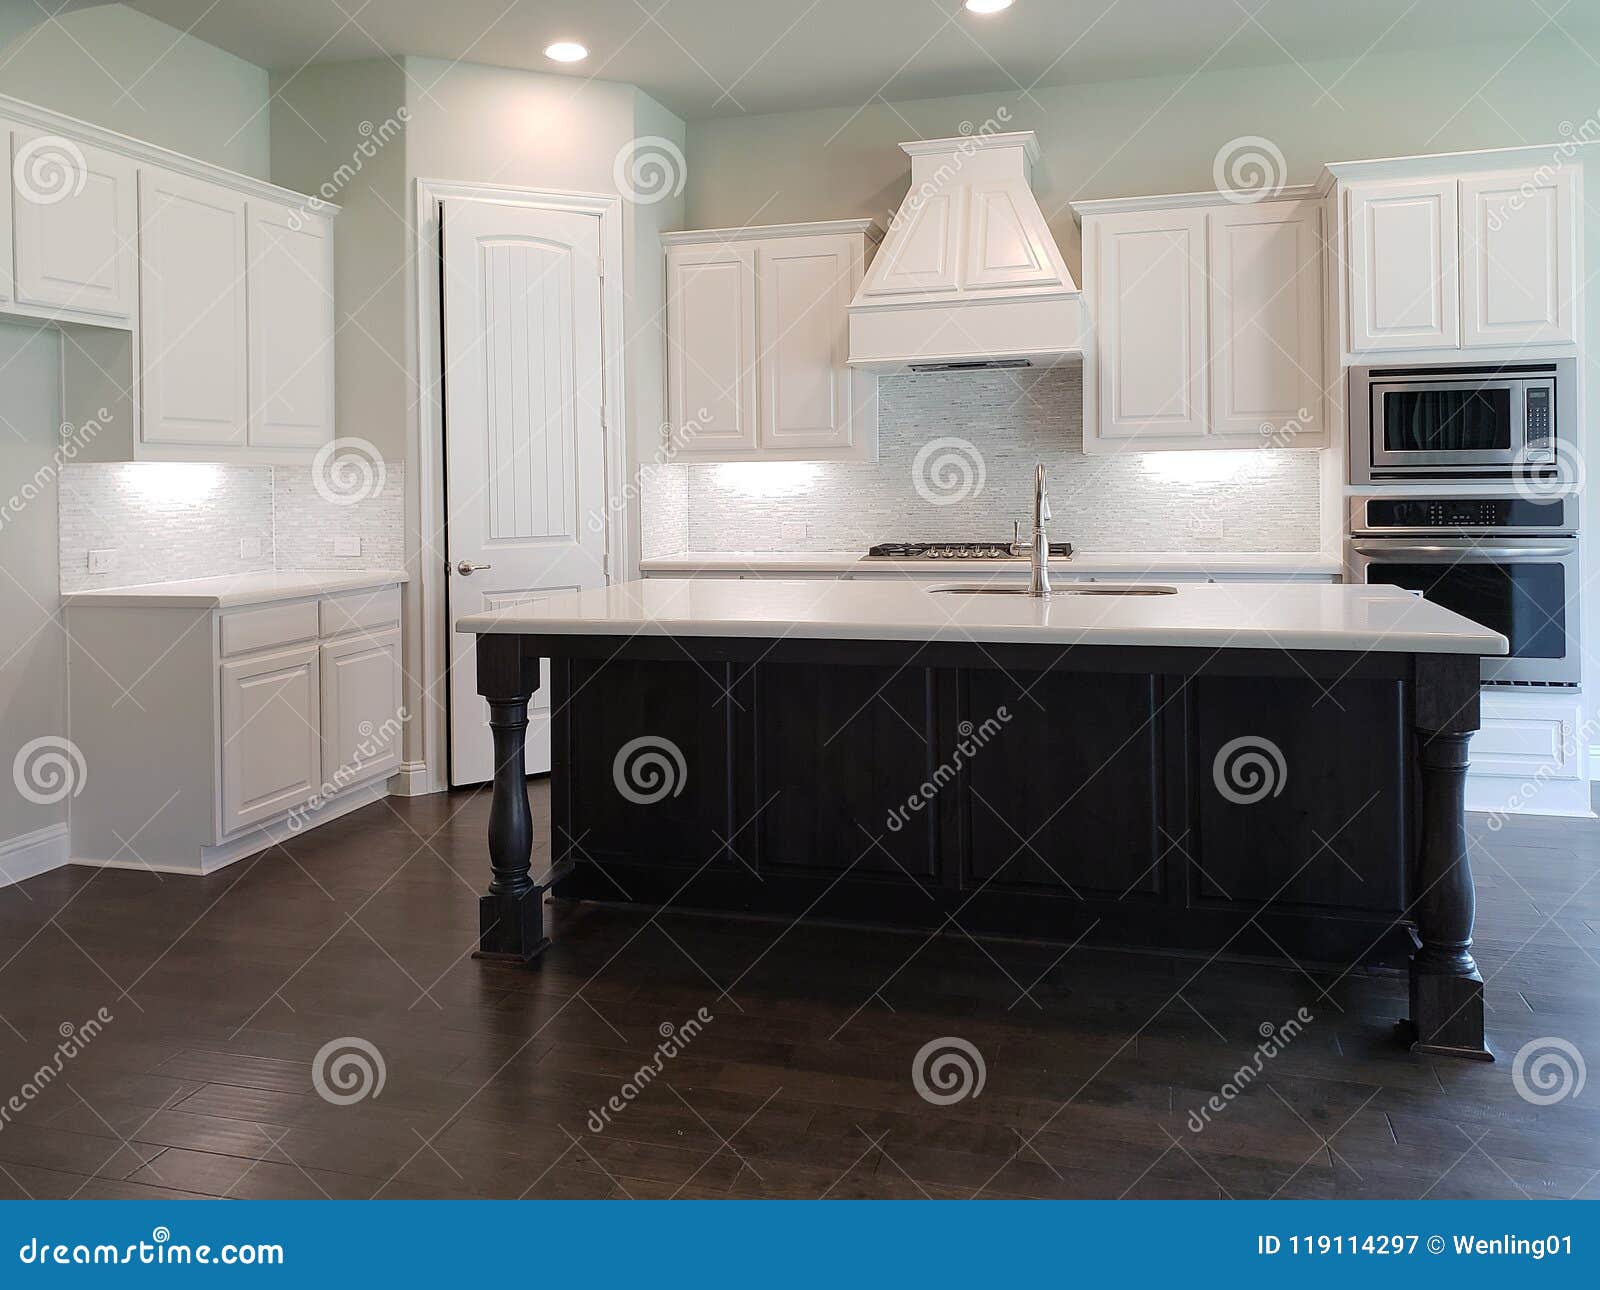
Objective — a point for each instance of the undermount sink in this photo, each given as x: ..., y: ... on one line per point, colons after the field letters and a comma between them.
x: 1084, y: 589
x: 1119, y: 589
x: 980, y: 591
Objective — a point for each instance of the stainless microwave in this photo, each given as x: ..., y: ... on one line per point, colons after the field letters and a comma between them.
x: 1467, y: 421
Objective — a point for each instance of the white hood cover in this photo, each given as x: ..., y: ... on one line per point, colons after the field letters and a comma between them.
x: 968, y: 275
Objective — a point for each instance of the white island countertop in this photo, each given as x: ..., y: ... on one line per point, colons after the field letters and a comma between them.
x: 1080, y: 563
x: 1261, y: 615
x: 232, y: 590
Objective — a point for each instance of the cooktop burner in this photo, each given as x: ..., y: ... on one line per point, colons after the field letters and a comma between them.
x: 956, y: 551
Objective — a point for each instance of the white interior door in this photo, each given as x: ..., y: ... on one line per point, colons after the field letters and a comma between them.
x: 525, y: 497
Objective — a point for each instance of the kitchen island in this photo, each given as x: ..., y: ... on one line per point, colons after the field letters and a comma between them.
x: 1271, y: 770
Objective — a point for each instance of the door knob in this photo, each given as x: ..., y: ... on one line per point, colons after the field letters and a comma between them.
x: 466, y: 568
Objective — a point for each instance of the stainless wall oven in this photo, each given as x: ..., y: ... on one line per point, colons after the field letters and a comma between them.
x: 1464, y: 421
x: 1510, y: 563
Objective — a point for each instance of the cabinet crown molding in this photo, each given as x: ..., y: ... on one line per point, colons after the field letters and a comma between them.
x: 20, y: 112
x: 758, y: 232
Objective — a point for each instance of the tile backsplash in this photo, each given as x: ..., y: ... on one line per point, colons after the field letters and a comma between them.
x: 956, y: 459
x: 174, y: 520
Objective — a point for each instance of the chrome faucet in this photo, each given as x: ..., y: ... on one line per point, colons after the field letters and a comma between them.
x: 1037, y: 550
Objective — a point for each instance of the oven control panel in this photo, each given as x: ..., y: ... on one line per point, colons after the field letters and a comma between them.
x: 1469, y: 514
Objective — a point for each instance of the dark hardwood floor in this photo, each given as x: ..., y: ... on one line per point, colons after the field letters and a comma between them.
x: 221, y: 992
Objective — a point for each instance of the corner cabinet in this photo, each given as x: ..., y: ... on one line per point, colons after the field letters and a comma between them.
x: 1207, y: 324
x: 198, y: 302
x: 758, y: 344
x: 1445, y: 256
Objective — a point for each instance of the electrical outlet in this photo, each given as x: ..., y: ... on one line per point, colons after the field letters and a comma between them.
x: 346, y: 545
x: 102, y: 561
x: 250, y: 547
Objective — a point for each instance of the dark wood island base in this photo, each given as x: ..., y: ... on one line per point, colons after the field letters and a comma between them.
x: 1280, y: 804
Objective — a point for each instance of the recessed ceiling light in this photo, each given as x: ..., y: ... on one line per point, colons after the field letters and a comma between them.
x: 987, y: 6
x: 570, y: 51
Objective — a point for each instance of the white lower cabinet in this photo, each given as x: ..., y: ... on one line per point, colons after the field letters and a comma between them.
x: 300, y: 720
x: 1529, y: 755
x: 271, y: 735
x: 360, y: 708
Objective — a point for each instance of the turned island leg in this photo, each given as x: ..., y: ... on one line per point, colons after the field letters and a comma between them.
x: 511, y: 914
x: 1446, y: 986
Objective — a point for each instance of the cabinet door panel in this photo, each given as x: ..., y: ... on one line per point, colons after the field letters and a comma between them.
x: 73, y: 213
x: 7, y: 245
x: 361, y: 708
x: 192, y: 311
x: 804, y: 341
x: 1403, y: 288
x: 271, y: 735
x: 291, y: 327
x: 1151, y: 325
x: 711, y: 345
x: 1518, y: 278
x: 1266, y: 321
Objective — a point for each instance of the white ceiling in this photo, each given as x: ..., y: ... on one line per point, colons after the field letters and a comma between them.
x: 727, y: 57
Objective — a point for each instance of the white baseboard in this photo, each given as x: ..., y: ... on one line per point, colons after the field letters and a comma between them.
x: 211, y: 858
x: 29, y: 854
x: 412, y: 780
x: 1499, y: 795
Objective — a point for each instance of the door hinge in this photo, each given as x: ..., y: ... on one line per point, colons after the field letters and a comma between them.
x: 602, y: 265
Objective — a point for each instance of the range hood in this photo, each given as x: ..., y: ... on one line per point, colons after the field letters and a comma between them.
x: 968, y: 276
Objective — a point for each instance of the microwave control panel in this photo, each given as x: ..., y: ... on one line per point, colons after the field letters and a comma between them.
x: 1538, y: 423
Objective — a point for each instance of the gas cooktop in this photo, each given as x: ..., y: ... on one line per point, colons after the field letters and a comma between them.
x: 957, y: 551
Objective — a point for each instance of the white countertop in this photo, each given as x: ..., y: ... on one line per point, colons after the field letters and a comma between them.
x: 1259, y: 615
x: 233, y: 590
x: 1286, y: 563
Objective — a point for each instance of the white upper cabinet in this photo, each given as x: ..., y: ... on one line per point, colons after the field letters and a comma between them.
x: 1517, y: 232
x: 1266, y: 320
x: 1402, y: 268
x: 200, y: 301
x: 711, y: 330
x: 73, y: 228
x: 758, y: 344
x: 803, y: 373
x: 1149, y: 306
x: 1207, y: 324
x: 191, y: 311
x: 1466, y: 252
x: 291, y: 327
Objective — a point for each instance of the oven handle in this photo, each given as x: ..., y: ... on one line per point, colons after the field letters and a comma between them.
x: 1472, y: 548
